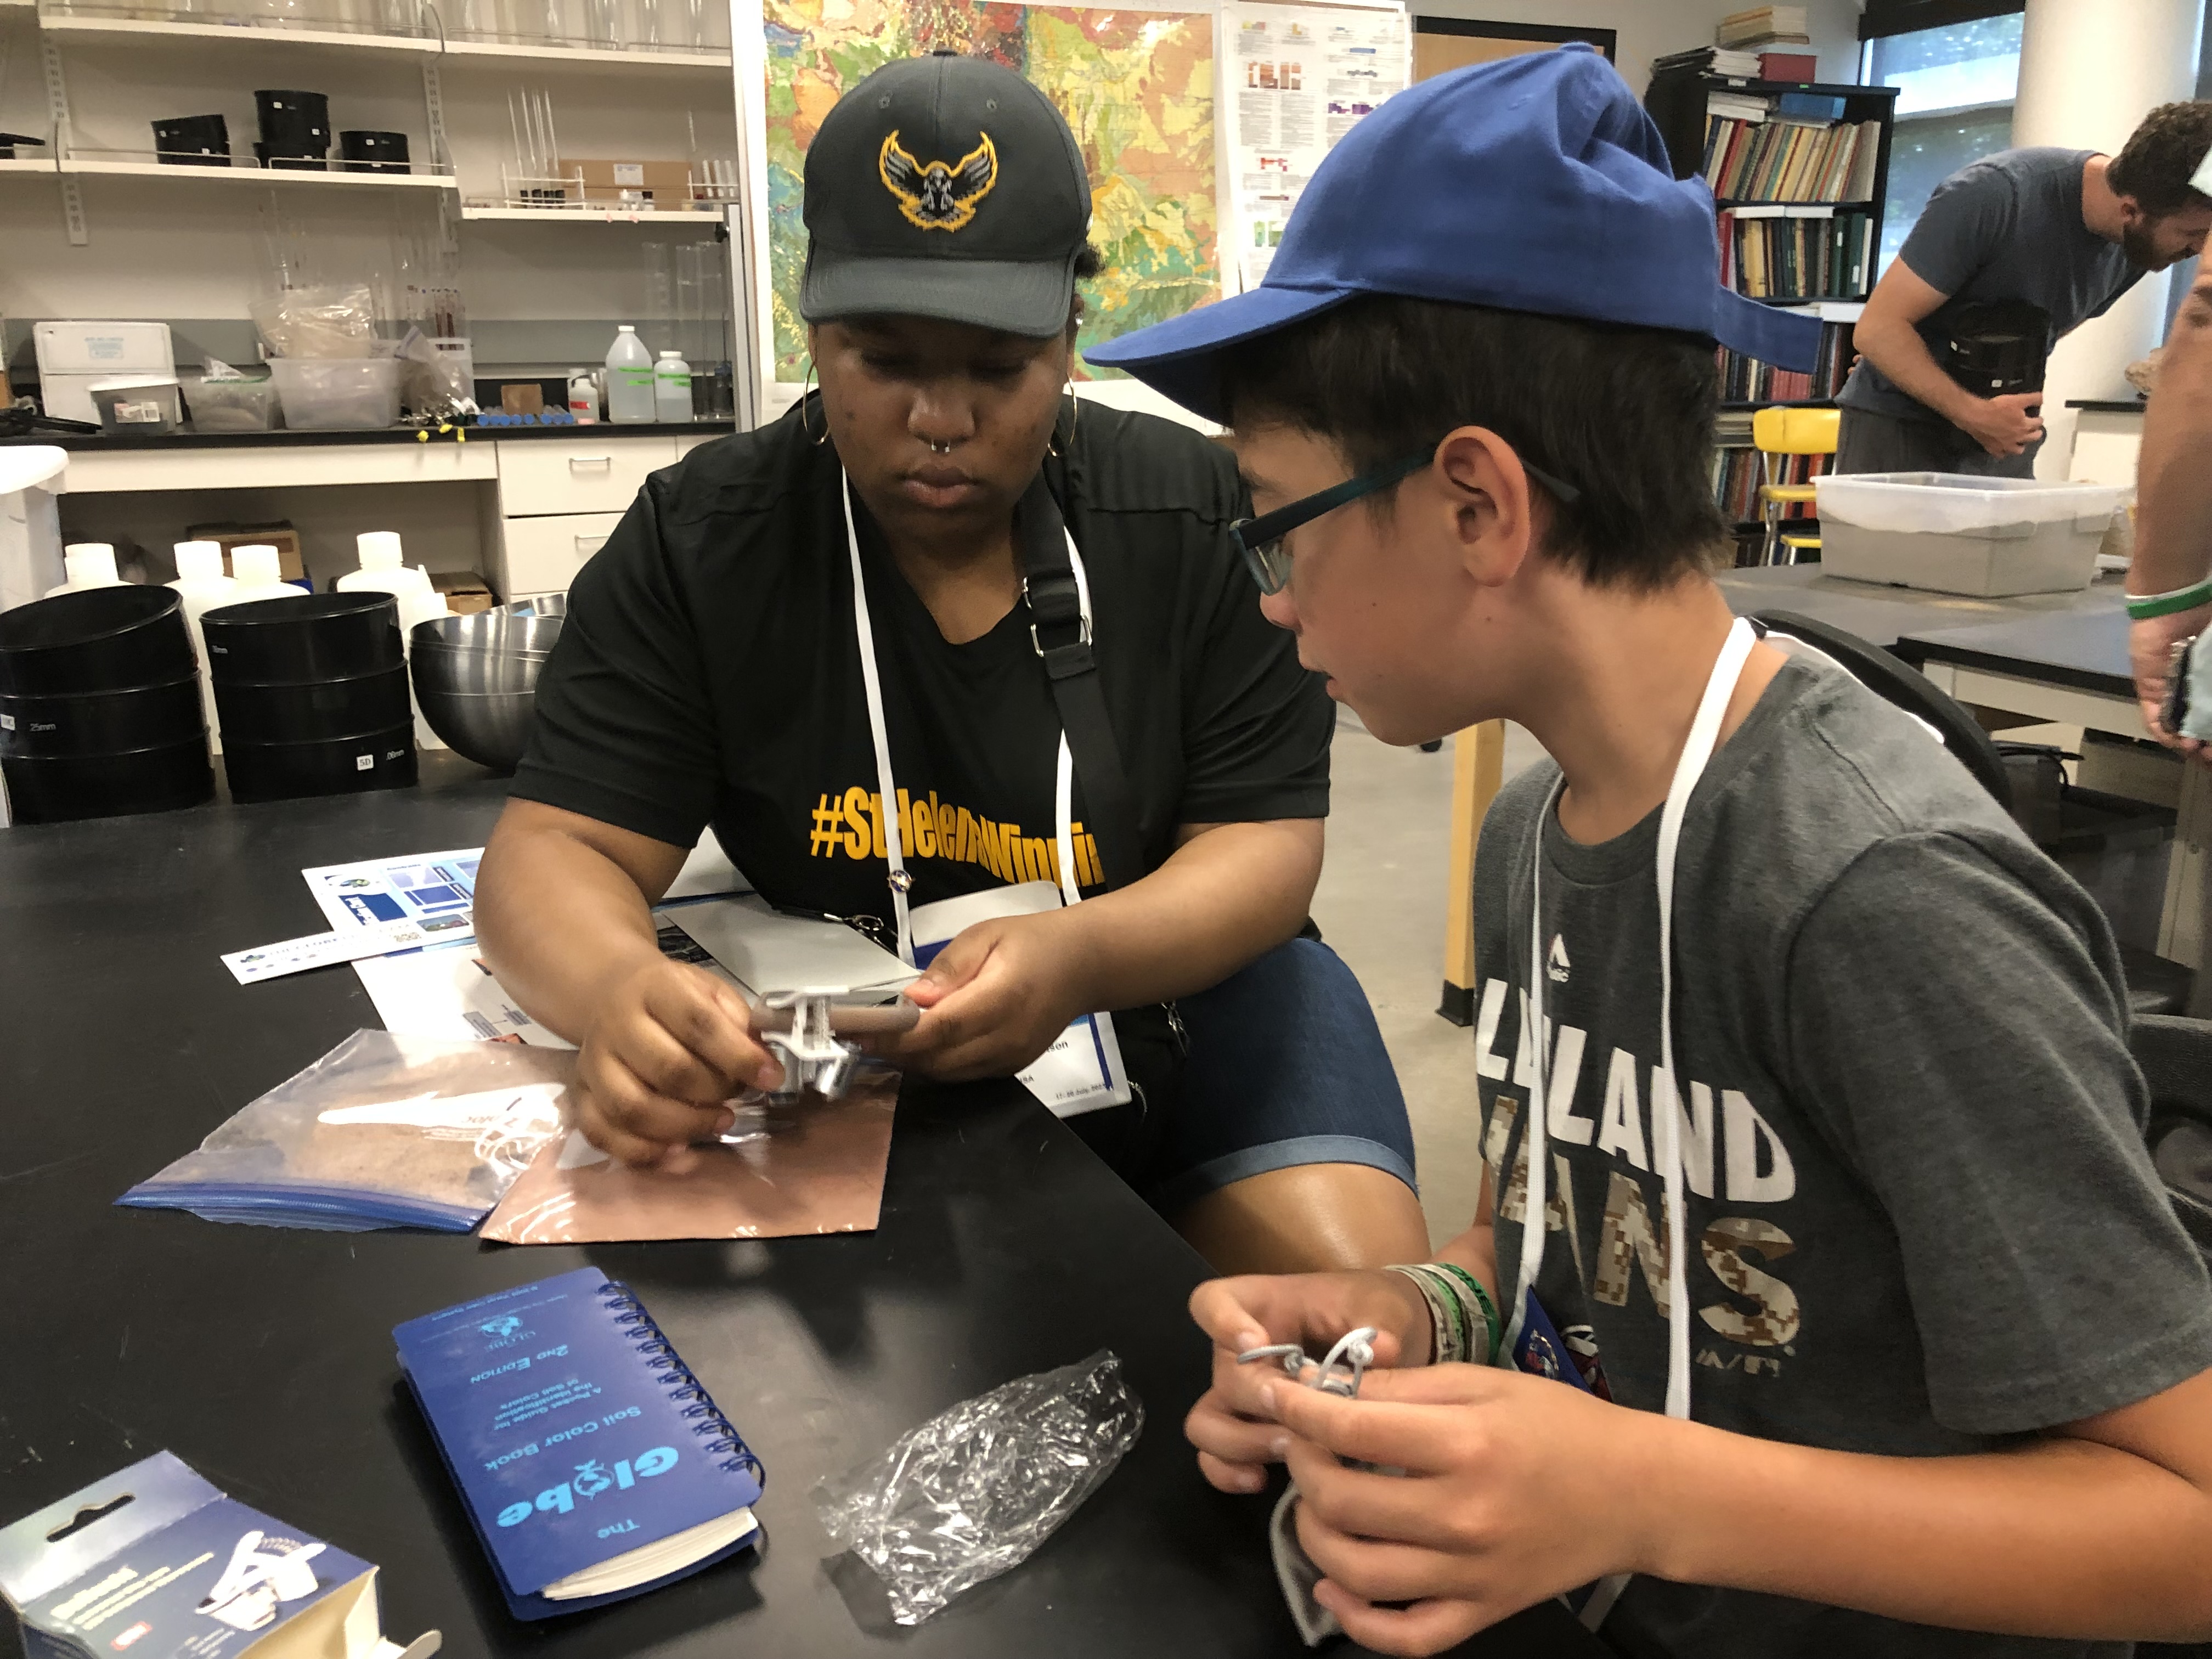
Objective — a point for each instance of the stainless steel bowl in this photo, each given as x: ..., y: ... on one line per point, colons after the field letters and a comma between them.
x: 491, y: 728
x: 545, y: 605
x: 474, y: 672
x: 499, y: 631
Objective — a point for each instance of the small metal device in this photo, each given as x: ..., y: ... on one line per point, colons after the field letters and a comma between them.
x: 803, y: 1026
x: 2175, y: 707
x: 1338, y: 1374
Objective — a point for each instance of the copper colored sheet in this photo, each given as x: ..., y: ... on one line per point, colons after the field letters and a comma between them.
x: 819, y: 1169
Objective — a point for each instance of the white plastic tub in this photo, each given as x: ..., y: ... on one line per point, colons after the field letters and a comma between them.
x: 338, y: 393
x: 1952, y: 533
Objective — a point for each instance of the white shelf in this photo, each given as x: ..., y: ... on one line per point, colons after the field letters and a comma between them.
x: 590, y: 56
x: 140, y: 29
x: 259, y: 175
x: 595, y: 215
x: 25, y: 164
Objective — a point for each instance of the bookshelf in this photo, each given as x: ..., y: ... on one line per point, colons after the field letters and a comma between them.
x: 1798, y: 194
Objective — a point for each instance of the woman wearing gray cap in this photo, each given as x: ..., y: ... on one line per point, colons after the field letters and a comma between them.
x: 938, y: 652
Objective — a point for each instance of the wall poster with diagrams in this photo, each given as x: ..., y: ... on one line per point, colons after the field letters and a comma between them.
x: 1295, y: 80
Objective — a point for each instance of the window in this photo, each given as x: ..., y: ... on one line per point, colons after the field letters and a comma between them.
x: 1954, y: 105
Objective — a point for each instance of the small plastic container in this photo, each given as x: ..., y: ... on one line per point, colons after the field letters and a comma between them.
x: 103, y: 639
x: 102, y: 722
x: 138, y: 405
x: 316, y: 710
x: 337, y: 394
x: 232, y: 405
x: 60, y: 788
x: 306, y: 637
x: 1951, y: 532
x: 192, y: 140
x: 336, y: 766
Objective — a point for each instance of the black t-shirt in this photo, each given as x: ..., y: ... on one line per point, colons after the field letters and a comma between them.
x: 709, y: 671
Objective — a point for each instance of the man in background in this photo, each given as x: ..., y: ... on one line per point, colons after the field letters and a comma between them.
x: 2061, y: 233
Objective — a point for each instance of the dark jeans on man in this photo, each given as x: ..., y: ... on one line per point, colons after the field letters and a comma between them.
x: 1884, y: 443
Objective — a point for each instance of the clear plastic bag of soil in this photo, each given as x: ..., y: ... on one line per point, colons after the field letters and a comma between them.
x: 384, y: 1131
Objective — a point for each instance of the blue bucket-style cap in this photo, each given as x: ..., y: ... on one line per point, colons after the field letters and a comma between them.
x: 1533, y: 183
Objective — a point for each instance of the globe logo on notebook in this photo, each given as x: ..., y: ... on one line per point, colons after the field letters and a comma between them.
x: 504, y: 1325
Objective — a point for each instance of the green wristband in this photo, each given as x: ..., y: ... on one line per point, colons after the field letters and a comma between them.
x: 2166, y: 604
x: 1490, y: 1319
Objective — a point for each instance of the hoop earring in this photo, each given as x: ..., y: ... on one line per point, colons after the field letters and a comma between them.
x: 806, y: 425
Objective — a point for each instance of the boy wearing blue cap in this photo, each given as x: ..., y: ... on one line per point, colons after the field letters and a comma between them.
x: 1836, y: 1212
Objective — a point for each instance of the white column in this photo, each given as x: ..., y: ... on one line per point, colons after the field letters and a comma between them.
x: 2089, y: 70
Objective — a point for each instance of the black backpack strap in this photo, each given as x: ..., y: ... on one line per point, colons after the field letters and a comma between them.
x: 1062, y: 641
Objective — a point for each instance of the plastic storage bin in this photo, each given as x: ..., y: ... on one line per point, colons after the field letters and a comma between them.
x: 338, y: 393
x: 1952, y: 533
x: 232, y: 405
x: 137, y: 404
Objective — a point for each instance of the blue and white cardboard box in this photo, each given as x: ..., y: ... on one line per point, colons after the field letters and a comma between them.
x: 156, y: 1563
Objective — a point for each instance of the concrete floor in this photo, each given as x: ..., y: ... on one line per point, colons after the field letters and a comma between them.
x: 1382, y: 907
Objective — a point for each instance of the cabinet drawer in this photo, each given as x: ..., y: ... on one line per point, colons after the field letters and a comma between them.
x: 545, y: 555
x: 541, y: 475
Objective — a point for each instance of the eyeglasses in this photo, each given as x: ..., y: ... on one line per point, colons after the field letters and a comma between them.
x: 1263, y: 543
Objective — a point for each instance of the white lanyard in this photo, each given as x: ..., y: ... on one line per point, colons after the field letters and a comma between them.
x: 1666, y: 1118
x: 1665, y: 1106
x: 872, y: 681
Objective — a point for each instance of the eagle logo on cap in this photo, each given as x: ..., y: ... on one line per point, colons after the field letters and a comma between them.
x: 939, y: 194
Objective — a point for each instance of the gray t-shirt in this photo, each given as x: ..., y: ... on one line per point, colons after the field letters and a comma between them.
x: 2008, y: 227
x: 1922, y: 1218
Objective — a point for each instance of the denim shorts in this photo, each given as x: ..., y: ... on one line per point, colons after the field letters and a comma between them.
x: 1286, y: 1066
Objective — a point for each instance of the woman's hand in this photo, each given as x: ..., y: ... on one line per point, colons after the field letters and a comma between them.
x: 669, y: 1045
x: 1234, y: 1433
x: 1515, y: 1488
x: 995, y: 998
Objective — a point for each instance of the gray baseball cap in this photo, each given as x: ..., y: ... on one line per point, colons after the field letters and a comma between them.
x: 949, y: 187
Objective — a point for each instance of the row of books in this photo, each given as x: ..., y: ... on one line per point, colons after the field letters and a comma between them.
x: 1776, y: 254
x: 1776, y: 158
x: 1738, y: 473
x: 1745, y: 380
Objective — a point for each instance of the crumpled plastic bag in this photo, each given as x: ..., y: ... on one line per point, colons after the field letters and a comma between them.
x: 332, y: 320
x: 383, y: 1130
x: 974, y: 1490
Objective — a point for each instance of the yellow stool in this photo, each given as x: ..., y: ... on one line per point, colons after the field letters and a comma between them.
x: 1782, y: 431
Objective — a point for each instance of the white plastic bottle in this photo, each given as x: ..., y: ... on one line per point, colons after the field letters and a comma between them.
x: 90, y: 564
x: 671, y: 387
x: 201, y: 582
x: 259, y: 574
x: 583, y: 397
x: 382, y: 571
x: 630, y: 378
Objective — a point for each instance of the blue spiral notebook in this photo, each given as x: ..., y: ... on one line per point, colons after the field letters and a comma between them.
x: 592, y: 1464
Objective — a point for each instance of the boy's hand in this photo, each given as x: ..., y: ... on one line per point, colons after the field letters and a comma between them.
x: 1236, y: 1436
x: 1516, y: 1488
x: 2150, y: 642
